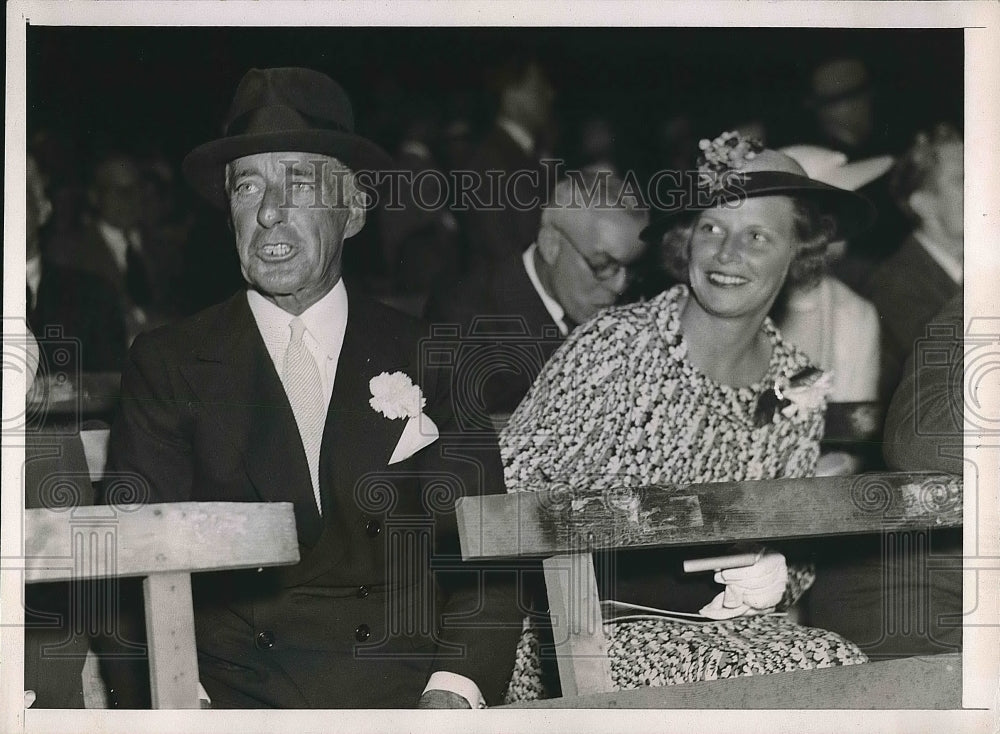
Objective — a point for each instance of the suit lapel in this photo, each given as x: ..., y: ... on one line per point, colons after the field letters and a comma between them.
x: 357, y: 438
x: 237, y: 385
x: 938, y: 280
x: 521, y: 297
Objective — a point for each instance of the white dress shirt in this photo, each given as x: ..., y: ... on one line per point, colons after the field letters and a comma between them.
x: 118, y: 242
x: 556, y: 311
x: 326, y: 323
x: 33, y: 277
x: 519, y: 133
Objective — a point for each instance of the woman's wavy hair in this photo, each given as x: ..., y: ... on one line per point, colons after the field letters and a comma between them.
x: 814, y: 227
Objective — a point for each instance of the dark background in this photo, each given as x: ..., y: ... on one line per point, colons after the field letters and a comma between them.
x: 168, y: 88
x: 158, y: 92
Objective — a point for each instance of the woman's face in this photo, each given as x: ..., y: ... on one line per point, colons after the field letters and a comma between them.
x: 740, y: 256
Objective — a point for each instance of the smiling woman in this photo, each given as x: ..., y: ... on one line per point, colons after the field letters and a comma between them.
x: 695, y: 385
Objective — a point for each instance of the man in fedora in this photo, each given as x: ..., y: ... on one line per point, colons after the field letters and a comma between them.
x: 302, y: 390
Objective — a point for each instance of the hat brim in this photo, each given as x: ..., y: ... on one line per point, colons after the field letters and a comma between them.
x: 853, y: 213
x: 852, y: 176
x: 205, y: 166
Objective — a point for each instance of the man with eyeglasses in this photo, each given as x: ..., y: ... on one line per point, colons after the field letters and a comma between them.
x: 515, y: 314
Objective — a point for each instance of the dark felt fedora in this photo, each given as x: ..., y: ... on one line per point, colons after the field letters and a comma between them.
x: 284, y: 109
x: 772, y: 173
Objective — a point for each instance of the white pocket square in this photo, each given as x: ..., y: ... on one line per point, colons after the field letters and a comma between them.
x: 418, y: 433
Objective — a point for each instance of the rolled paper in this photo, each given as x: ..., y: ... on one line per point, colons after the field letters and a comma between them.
x: 719, y: 563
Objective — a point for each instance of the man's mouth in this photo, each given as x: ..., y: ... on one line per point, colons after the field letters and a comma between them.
x: 724, y: 280
x: 276, y: 251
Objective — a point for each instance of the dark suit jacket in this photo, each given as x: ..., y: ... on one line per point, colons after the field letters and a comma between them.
x: 78, y: 308
x: 908, y: 290
x: 359, y: 622
x: 869, y: 591
x: 508, y: 228
x: 507, y: 336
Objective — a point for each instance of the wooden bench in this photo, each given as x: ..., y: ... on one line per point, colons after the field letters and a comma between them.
x: 164, y: 544
x: 564, y: 526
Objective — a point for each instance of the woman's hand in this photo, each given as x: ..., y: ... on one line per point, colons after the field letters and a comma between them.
x: 755, y: 589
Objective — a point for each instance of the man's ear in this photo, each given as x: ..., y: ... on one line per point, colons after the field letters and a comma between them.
x: 548, y: 245
x: 356, y: 220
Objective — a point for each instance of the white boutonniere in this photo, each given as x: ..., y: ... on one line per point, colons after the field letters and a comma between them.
x: 806, y: 395
x: 395, y: 396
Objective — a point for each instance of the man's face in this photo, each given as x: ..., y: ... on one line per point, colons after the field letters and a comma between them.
x: 849, y: 121
x: 117, y: 192
x: 37, y: 208
x: 291, y: 214
x: 533, y: 99
x: 949, y: 180
x: 591, y: 268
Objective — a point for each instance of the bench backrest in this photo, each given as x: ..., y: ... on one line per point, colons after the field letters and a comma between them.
x: 562, y: 526
x: 163, y: 544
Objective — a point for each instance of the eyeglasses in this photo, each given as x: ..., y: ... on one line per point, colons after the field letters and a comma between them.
x: 601, y: 271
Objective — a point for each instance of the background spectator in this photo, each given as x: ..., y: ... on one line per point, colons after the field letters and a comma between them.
x: 508, y: 222
x: 915, y: 283
x: 525, y: 305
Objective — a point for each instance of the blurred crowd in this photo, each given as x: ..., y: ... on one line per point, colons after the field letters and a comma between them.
x: 118, y: 244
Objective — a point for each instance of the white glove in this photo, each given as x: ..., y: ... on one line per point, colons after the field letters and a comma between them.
x: 755, y: 589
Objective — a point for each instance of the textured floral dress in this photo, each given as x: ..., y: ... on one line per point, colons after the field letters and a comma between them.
x: 620, y: 405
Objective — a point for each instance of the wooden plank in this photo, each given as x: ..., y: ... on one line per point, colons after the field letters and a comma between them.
x: 173, y: 659
x: 95, y: 394
x: 931, y: 682
x: 554, y: 522
x: 95, y: 449
x: 577, y: 626
x: 136, y: 540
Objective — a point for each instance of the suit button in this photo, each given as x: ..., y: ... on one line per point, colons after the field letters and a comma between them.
x: 373, y: 528
x: 363, y: 592
x: 265, y: 640
x: 362, y: 633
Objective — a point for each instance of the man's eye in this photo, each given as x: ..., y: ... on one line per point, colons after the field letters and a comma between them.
x: 759, y: 237
x: 303, y: 186
x: 709, y: 228
x: 246, y: 187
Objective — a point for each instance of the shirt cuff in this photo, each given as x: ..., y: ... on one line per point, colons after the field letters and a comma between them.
x: 444, y: 681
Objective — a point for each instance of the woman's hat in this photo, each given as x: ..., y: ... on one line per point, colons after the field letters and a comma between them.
x: 733, y: 168
x: 831, y: 167
x: 284, y: 109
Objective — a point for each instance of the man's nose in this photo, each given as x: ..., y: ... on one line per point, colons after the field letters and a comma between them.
x: 271, y: 209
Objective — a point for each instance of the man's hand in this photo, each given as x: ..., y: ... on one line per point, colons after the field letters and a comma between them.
x: 438, y: 699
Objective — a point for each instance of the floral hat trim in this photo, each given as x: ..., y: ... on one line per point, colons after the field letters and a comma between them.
x: 729, y: 152
x: 723, y: 180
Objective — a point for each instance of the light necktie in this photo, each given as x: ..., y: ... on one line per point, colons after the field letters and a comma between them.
x: 304, y: 387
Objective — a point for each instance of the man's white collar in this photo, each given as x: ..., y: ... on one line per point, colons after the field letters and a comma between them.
x: 519, y: 133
